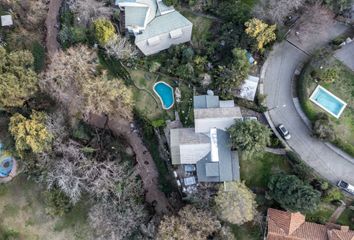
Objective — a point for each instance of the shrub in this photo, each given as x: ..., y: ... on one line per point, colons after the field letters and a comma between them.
x: 57, y: 202
x: 323, y: 128
x: 158, y: 123
x: 104, y: 30
x: 333, y: 194
x: 8, y: 234
x: 328, y: 75
x: 300, y: 169
x: 154, y: 66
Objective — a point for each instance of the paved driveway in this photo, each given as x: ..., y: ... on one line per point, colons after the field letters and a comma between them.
x: 277, y: 80
x: 346, y: 55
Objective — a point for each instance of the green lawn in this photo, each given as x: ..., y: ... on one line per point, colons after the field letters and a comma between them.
x: 347, y: 218
x: 342, y: 87
x: 147, y: 103
x: 257, y: 171
x: 201, y: 31
x: 323, y: 213
x: 23, y: 215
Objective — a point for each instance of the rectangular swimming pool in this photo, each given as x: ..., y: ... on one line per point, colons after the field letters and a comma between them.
x: 327, y: 101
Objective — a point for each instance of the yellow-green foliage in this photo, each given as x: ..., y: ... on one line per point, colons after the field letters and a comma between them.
x: 104, y: 30
x: 235, y: 203
x: 104, y: 95
x: 30, y: 134
x: 18, y: 81
x: 261, y: 31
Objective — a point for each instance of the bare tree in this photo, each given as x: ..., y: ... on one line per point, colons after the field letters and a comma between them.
x: 87, y: 11
x: 275, y: 11
x: 72, y: 79
x: 120, y: 48
x: 114, y: 222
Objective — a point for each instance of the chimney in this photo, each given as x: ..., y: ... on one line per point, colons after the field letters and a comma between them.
x: 344, y: 228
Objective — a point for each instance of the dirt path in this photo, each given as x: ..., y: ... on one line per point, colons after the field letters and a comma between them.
x: 145, y: 163
x: 51, y: 24
x: 337, y: 213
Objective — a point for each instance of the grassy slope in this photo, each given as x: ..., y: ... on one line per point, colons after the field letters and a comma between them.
x: 22, y: 210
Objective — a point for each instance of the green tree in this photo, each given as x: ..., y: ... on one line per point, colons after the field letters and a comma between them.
x: 333, y: 194
x: 233, y: 76
x: 261, y: 31
x: 249, y: 136
x: 189, y: 224
x: 104, y: 30
x: 293, y: 194
x: 236, y: 204
x: 30, y: 134
x: 17, y: 77
x: 323, y: 128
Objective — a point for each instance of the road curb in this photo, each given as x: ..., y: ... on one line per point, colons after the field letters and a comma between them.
x: 266, y: 114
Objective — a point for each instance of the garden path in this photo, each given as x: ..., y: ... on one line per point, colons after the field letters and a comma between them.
x: 145, y: 163
x: 51, y: 24
x: 337, y: 213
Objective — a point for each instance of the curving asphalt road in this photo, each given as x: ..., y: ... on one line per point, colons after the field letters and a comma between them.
x: 277, y: 79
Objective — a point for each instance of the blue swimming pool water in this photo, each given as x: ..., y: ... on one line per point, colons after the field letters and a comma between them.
x: 6, y: 163
x: 327, y: 101
x: 165, y: 93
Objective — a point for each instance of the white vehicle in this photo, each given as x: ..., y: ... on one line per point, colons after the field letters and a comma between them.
x: 346, y: 187
x: 283, y: 132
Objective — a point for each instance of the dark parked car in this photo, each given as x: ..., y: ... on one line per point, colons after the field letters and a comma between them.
x: 283, y: 132
x: 346, y: 187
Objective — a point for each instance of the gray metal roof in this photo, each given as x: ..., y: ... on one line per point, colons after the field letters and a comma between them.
x: 206, y: 101
x: 135, y: 16
x: 188, y: 147
x: 221, y: 118
x: 228, y: 164
x: 163, y: 24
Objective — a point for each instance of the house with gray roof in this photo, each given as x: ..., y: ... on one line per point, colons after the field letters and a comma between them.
x: 207, y: 145
x: 156, y: 26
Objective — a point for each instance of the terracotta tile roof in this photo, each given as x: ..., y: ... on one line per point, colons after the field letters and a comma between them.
x: 292, y: 226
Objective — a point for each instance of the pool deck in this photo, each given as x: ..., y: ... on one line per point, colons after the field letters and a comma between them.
x: 319, y: 87
x: 161, y: 100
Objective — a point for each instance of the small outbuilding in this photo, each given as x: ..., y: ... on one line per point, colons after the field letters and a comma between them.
x: 6, y: 21
x: 248, y: 89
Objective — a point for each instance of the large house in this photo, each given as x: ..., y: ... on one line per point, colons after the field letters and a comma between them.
x: 292, y: 226
x: 206, y: 147
x: 156, y: 26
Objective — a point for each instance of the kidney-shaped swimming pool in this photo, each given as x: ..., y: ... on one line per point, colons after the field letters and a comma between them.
x: 165, y: 93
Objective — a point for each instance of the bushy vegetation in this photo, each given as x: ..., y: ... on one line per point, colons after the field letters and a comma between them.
x: 189, y: 223
x: 235, y: 203
x: 250, y: 137
x: 19, y: 81
x: 30, y: 134
x: 104, y: 30
x: 71, y: 34
x: 293, y: 194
